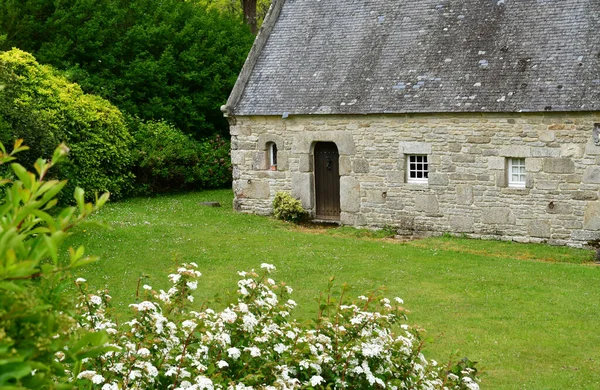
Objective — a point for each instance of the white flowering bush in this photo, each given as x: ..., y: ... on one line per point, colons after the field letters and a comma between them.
x: 253, y: 343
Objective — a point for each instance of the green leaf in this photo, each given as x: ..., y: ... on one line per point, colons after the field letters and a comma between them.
x: 22, y: 174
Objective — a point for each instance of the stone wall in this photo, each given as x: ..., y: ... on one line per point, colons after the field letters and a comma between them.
x: 467, y: 191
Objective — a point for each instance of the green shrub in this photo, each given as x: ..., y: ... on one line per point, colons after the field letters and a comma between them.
x: 254, y: 343
x: 287, y: 208
x: 169, y: 59
x: 166, y: 159
x: 40, y: 106
x: 39, y: 335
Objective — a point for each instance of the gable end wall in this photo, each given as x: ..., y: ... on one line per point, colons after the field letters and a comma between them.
x: 467, y: 191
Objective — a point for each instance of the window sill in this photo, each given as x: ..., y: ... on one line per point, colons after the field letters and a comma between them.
x: 515, y: 191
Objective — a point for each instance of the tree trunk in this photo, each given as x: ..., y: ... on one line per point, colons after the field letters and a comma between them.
x: 249, y: 7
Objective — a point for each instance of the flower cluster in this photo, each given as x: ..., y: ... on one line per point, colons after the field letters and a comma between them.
x: 255, y: 344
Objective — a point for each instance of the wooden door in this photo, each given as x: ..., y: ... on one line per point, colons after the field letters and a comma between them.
x: 327, y: 181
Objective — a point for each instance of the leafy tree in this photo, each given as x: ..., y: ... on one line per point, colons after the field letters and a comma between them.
x: 173, y: 60
x: 253, y: 11
x: 42, y: 107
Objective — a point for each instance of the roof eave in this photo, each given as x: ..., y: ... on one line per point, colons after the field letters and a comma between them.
x: 257, y: 48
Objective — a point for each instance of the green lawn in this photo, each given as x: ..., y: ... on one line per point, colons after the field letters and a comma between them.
x: 529, y: 314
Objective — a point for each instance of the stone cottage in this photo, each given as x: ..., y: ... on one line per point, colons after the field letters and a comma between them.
x: 475, y: 117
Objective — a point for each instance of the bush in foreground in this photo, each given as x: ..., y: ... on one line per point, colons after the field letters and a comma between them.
x: 254, y: 343
x: 39, y: 337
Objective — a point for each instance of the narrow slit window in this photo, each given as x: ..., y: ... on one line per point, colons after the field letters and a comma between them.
x: 417, y: 170
x: 272, y: 151
x: 516, y: 172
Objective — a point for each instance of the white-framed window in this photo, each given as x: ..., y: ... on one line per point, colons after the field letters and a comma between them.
x: 516, y: 172
x: 272, y: 155
x: 417, y: 168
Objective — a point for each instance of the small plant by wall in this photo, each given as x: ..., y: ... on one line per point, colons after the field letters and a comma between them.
x: 288, y: 208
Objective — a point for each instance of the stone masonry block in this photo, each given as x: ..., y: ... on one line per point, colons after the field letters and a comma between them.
x: 515, y: 151
x: 237, y: 157
x: 438, y: 179
x: 584, y: 195
x: 464, y: 194
x: 305, y: 163
x: 592, y: 174
x: 303, y: 189
x: 427, y: 203
x: 259, y: 161
x: 496, y: 163
x: 349, y: 194
x: 415, y: 147
x: 571, y: 150
x: 544, y: 152
x: 591, y: 219
x: 345, y: 165
x: 533, y: 164
x: 360, y: 165
x: 497, y: 215
x: 540, y: 229
x: 546, y: 135
x: 461, y: 224
x: 375, y: 196
x: 558, y: 165
x: 253, y: 189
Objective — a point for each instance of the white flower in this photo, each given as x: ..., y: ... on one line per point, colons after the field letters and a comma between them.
x: 146, y: 287
x: 290, y: 335
x: 254, y: 351
x: 371, y: 350
x: 174, y: 278
x: 204, y: 383
x: 363, y: 298
x: 316, y: 380
x: 89, y: 374
x: 399, y: 300
x: 110, y: 386
x: 192, y: 285
x: 222, y: 364
x: 289, y: 289
x: 96, y: 300
x: 80, y: 280
x: 144, y: 306
x: 234, y: 353
x: 268, y: 267
x: 143, y: 352
x: 250, y: 322
x: 228, y: 316
x: 97, y: 379
x: 190, y: 298
x: 271, y: 281
x: 280, y: 348
x: 243, y: 307
x: 188, y: 324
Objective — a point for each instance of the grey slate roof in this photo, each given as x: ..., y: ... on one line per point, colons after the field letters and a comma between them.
x: 407, y: 56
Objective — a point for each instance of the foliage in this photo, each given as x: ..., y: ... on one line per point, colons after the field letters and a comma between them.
x: 38, y: 333
x: 167, y: 159
x: 253, y: 343
x: 287, y: 208
x: 43, y: 108
x: 171, y: 60
x: 236, y: 8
